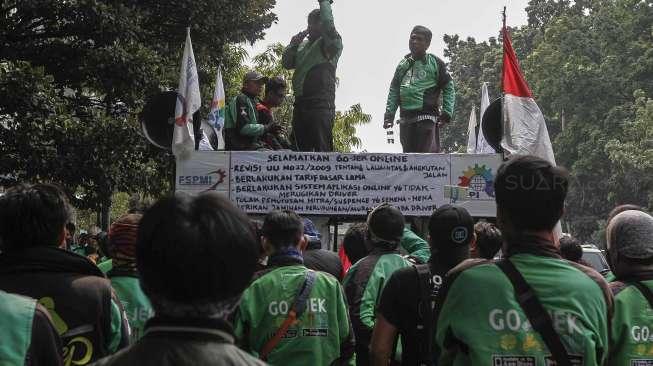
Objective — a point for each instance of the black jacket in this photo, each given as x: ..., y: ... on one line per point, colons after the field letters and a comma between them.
x: 73, y: 290
x: 319, y: 259
x: 183, y: 342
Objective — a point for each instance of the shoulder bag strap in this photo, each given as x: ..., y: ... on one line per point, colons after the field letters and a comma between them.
x: 295, y: 313
x: 538, y: 317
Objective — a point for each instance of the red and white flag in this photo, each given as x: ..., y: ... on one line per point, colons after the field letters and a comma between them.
x: 524, y: 128
x: 188, y: 102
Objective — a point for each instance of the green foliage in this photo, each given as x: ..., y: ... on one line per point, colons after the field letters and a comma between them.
x: 344, y: 128
x: 592, y: 60
x: 74, y: 76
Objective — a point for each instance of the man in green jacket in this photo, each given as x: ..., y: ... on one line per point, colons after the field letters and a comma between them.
x: 415, y: 89
x: 242, y: 129
x: 630, y: 248
x: 319, y: 331
x: 365, y: 280
x: 481, y: 321
x: 314, y: 80
x: 124, y: 276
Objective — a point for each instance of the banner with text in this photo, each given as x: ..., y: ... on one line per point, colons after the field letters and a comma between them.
x: 338, y: 184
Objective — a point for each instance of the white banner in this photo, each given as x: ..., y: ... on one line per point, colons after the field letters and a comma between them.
x: 337, y: 184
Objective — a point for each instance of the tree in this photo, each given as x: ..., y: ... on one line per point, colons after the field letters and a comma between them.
x: 592, y: 60
x: 90, y: 66
x: 344, y: 128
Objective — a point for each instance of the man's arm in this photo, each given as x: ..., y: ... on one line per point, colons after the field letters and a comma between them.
x: 415, y: 246
x: 383, y: 341
x: 245, y: 122
x: 332, y: 40
x: 448, y: 98
x: 45, y: 347
x: 119, y: 336
x: 347, y: 346
x: 393, y: 99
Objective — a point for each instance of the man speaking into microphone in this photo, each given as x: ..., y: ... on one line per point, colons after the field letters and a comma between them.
x: 418, y: 82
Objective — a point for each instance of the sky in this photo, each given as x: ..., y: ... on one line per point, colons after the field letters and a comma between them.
x: 375, y: 37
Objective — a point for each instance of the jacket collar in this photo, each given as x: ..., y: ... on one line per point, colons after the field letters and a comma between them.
x: 46, y: 259
x: 216, y: 329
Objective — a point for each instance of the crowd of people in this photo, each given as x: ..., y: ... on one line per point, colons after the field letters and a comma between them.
x: 195, y: 281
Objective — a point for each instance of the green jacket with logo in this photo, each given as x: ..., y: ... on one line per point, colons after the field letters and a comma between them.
x: 136, y: 304
x: 314, y: 79
x: 631, y: 341
x: 416, y: 88
x: 241, y: 127
x: 365, y: 280
x: 481, y: 323
x: 322, y: 335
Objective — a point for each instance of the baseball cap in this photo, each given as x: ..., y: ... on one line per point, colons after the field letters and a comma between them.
x: 451, y: 225
x: 630, y: 234
x: 255, y: 76
x: 385, y: 224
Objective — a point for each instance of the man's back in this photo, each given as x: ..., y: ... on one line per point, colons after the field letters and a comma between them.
x: 480, y: 321
x: 79, y: 299
x: 323, y: 332
x: 632, y: 325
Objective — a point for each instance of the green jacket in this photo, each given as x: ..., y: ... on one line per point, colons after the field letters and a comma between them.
x: 241, y: 126
x: 17, y: 313
x: 631, y: 340
x: 481, y: 323
x: 365, y: 280
x: 323, y: 333
x: 136, y: 304
x: 315, y: 62
x: 416, y: 88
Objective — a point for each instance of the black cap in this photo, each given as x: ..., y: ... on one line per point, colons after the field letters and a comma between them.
x: 255, y: 76
x: 385, y: 224
x: 452, y: 226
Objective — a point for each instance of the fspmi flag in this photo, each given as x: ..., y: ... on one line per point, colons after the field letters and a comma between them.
x: 188, y: 102
x: 216, y: 115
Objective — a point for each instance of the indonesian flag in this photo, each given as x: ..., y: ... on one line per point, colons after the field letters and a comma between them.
x: 188, y: 102
x: 524, y: 129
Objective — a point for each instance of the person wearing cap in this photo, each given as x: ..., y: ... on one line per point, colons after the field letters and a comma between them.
x: 415, y: 90
x: 630, y: 251
x: 315, y: 257
x: 319, y: 330
x: 195, y: 255
x: 275, y: 94
x: 481, y: 320
x: 124, y: 275
x: 314, y: 80
x: 365, y: 280
x: 402, y: 306
x: 242, y: 130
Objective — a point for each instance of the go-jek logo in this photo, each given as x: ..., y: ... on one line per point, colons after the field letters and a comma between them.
x: 212, y: 179
x: 478, y: 179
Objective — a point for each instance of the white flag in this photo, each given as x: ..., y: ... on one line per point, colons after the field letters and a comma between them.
x: 471, y: 132
x: 216, y: 115
x: 188, y: 102
x: 482, y: 147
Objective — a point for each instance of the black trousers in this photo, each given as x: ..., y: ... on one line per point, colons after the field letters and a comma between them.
x: 419, y: 137
x: 313, y: 128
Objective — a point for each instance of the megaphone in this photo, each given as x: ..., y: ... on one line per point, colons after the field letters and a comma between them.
x: 491, y: 124
x: 158, y: 120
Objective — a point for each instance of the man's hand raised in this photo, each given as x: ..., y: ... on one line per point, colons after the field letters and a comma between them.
x: 298, y: 38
